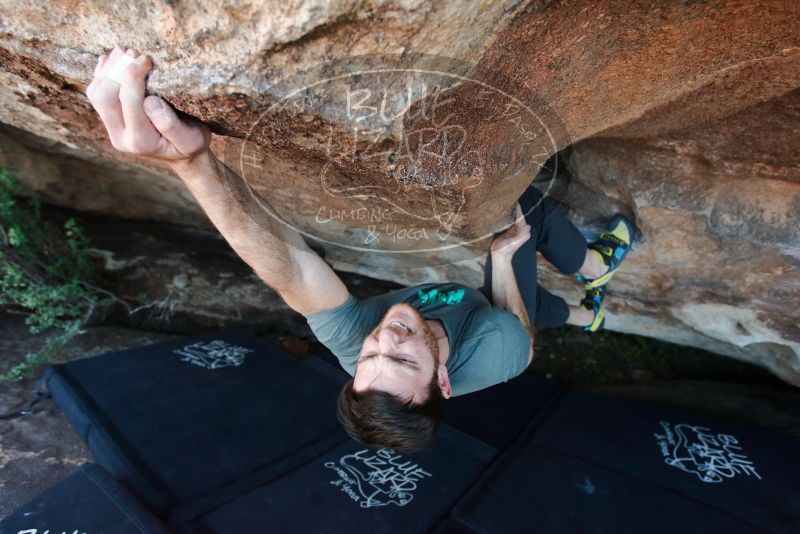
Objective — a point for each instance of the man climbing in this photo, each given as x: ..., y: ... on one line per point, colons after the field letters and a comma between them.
x: 407, y: 350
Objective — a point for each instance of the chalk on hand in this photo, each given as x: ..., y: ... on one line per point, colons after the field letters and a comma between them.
x: 115, y: 72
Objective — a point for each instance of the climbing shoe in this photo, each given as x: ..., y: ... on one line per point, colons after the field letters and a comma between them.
x: 611, y: 247
x: 593, y: 301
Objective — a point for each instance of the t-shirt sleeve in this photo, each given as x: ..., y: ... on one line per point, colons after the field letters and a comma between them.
x: 516, y: 344
x: 342, y: 329
x: 498, y: 352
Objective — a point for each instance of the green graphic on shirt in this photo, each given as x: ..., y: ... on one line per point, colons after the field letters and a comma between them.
x: 450, y: 297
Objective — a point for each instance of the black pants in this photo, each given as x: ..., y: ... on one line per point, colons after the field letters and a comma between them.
x: 559, y: 242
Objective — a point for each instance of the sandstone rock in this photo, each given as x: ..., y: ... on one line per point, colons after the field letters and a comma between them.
x: 69, y: 177
x: 718, y: 264
x: 683, y: 115
x: 170, y: 287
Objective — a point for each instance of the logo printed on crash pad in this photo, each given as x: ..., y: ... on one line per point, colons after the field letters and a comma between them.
x: 434, y: 295
x: 714, y: 458
x: 377, y: 478
x: 37, y: 531
x: 213, y: 354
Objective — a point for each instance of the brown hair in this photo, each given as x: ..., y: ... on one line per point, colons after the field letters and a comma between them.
x: 380, y: 419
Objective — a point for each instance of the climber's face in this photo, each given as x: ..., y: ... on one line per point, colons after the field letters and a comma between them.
x: 400, y: 356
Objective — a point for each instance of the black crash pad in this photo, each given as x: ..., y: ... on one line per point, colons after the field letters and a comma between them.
x: 191, y: 424
x: 177, y: 420
x: 88, y: 500
x: 225, y: 433
x: 349, y: 489
x: 602, y: 464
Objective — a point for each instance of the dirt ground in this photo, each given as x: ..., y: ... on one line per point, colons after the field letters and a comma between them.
x: 38, y: 450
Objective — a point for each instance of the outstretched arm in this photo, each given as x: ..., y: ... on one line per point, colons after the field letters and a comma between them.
x: 505, y: 292
x: 276, y: 252
x: 149, y: 127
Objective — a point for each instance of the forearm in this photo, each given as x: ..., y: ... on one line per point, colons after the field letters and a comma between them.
x: 152, y: 129
x: 257, y: 236
x: 505, y: 291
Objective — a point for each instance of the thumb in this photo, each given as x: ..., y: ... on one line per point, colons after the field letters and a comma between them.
x: 185, y: 138
x: 519, y: 221
x: 511, y: 231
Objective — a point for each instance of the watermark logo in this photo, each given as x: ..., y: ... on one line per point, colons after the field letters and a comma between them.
x: 377, y: 478
x: 212, y: 355
x: 713, y: 458
x: 395, y: 151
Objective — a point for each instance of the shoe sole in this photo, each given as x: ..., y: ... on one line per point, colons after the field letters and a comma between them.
x: 603, y: 280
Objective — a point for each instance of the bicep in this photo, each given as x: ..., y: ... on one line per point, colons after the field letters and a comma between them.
x: 314, y: 286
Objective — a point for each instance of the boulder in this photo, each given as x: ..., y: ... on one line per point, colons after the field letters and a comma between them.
x: 397, y: 135
x: 719, y: 259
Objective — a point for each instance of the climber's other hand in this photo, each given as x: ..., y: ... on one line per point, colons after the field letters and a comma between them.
x: 146, y: 126
x: 507, y: 243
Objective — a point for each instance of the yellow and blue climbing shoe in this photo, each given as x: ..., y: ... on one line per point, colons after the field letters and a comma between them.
x: 612, y: 246
x: 593, y: 301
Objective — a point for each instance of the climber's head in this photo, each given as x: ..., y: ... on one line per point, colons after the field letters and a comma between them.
x: 395, y: 399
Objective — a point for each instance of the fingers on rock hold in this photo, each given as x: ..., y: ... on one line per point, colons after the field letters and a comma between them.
x: 118, y: 69
x: 163, y: 117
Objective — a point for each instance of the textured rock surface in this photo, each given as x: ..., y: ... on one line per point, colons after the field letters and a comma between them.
x: 720, y: 262
x: 188, y: 290
x: 684, y: 115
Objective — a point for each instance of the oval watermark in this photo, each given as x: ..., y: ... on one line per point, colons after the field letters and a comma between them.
x: 399, y: 158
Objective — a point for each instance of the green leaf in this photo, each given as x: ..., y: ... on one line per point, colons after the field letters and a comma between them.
x: 44, y: 270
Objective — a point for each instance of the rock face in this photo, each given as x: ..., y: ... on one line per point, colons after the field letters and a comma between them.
x: 718, y: 206
x: 398, y: 134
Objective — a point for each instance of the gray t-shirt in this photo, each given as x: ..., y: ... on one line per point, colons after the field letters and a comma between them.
x: 487, y: 345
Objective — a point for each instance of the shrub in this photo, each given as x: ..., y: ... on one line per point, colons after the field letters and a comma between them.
x: 44, y: 270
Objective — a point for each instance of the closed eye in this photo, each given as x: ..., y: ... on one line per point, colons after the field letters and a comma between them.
x: 367, y: 356
x: 394, y: 357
